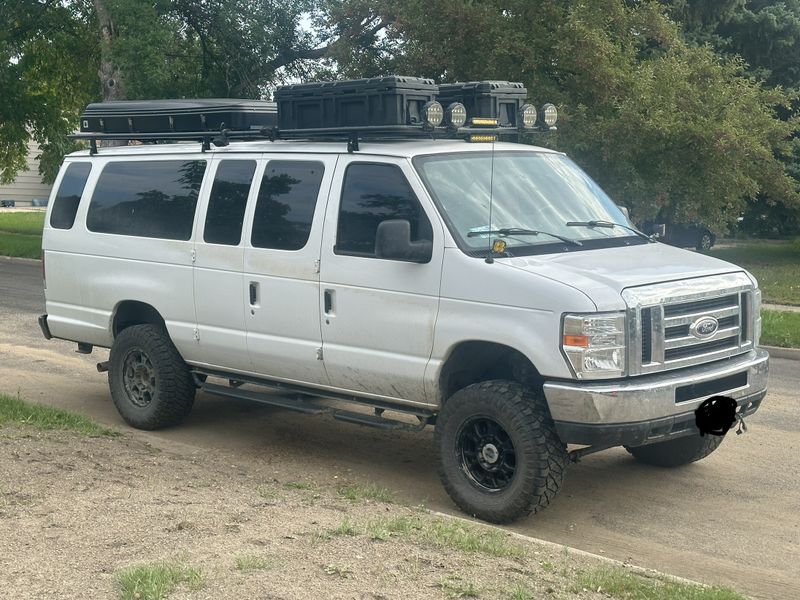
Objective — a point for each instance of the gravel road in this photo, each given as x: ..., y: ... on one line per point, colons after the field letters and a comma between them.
x: 732, y: 519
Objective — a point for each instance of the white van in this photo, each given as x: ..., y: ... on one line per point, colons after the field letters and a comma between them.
x: 490, y: 289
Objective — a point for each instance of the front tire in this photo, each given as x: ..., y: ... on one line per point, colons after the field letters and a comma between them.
x: 150, y: 383
x: 677, y: 452
x: 705, y: 242
x: 500, y: 457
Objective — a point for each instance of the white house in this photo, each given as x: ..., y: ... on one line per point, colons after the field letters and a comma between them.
x: 28, y: 183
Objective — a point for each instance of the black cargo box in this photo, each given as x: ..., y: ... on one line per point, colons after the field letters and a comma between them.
x: 165, y: 116
x: 493, y: 99
x: 380, y: 101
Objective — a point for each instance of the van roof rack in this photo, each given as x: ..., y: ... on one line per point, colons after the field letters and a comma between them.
x: 392, y: 107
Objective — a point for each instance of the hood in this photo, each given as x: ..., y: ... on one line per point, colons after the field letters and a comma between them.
x: 602, y: 274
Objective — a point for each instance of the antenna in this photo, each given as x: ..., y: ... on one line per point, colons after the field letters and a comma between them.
x: 490, y: 258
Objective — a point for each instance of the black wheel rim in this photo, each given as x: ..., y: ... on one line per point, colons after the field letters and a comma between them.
x: 486, y: 453
x: 139, y: 378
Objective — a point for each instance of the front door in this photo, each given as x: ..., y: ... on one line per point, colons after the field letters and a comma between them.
x: 378, y: 316
x: 281, y: 268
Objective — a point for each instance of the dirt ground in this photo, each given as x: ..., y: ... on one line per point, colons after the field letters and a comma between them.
x: 74, y: 511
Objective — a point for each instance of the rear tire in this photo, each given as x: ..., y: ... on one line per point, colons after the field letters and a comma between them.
x: 150, y: 383
x: 678, y: 452
x: 500, y: 457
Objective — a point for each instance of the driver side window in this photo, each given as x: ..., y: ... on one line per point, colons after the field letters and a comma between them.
x: 373, y: 193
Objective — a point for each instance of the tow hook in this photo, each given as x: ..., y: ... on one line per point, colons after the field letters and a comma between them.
x: 103, y: 367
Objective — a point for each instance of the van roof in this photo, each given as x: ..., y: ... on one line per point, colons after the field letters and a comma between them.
x: 399, y: 148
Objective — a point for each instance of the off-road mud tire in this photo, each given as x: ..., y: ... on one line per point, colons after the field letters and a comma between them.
x: 677, y: 452
x: 541, y: 458
x: 173, y: 388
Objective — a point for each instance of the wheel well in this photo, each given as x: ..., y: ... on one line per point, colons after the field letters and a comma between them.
x: 471, y: 362
x: 131, y: 312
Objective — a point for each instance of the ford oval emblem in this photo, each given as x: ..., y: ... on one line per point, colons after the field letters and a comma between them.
x: 704, y: 327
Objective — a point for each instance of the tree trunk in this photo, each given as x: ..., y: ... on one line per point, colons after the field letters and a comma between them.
x: 111, y: 80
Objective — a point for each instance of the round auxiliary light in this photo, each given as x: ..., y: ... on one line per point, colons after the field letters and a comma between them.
x: 527, y: 116
x: 456, y: 115
x: 549, y: 115
x: 433, y: 113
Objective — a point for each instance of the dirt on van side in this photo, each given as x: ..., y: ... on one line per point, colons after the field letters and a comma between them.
x: 76, y: 511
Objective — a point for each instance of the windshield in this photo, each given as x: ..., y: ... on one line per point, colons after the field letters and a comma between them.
x: 534, y: 191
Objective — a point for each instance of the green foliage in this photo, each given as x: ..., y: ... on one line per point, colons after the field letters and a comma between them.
x: 617, y: 583
x: 15, y: 411
x: 780, y: 328
x: 155, y: 581
x: 661, y: 124
x: 776, y: 266
x: 30, y: 223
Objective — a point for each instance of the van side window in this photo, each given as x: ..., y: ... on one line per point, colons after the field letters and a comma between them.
x: 228, y: 201
x: 65, y: 206
x: 286, y: 202
x: 154, y: 199
x: 373, y: 193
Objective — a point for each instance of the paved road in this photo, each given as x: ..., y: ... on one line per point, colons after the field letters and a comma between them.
x: 732, y: 519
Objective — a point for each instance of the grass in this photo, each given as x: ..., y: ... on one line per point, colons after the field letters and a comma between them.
x: 252, y: 562
x: 21, y: 246
x: 21, y: 234
x: 628, y: 586
x: 15, y: 411
x: 457, y: 536
x: 780, y: 328
x: 455, y: 588
x: 776, y: 266
x: 369, y: 491
x: 154, y: 581
x: 299, y: 485
x: 30, y: 223
x: 383, y: 529
x: 345, y: 528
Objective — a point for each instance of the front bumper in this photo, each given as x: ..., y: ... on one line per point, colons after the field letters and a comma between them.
x: 652, y: 408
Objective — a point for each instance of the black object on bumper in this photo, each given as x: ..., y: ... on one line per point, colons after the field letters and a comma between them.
x: 643, y: 432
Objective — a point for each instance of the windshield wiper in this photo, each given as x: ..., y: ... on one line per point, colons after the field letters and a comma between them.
x: 506, y: 231
x: 609, y: 225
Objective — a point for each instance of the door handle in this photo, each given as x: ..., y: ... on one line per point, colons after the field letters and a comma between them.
x: 328, y: 296
x: 253, y: 293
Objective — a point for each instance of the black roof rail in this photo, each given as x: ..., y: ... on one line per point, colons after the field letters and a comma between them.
x: 351, y: 135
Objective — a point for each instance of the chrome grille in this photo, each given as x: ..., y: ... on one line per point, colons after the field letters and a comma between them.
x: 661, y: 319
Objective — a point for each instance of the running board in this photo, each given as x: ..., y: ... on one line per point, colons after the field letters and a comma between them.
x: 301, y: 403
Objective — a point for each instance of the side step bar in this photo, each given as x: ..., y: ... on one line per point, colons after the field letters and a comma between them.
x: 304, y: 404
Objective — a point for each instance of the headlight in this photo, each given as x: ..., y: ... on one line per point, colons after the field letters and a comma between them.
x: 433, y: 114
x: 594, y: 344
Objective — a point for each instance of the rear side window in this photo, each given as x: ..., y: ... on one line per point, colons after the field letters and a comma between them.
x: 154, y: 199
x: 65, y: 206
x: 286, y: 202
x: 228, y: 201
x: 373, y: 193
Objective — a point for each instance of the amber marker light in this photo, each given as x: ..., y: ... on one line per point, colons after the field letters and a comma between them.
x: 576, y: 341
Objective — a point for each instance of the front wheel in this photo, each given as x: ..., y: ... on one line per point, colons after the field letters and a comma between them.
x: 677, y: 452
x: 150, y: 384
x: 705, y: 242
x: 500, y: 457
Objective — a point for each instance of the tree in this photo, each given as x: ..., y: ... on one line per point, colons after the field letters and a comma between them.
x: 661, y: 124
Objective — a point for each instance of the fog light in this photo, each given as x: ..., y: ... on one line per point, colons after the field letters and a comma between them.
x: 456, y: 115
x: 433, y: 113
x: 549, y: 115
x: 527, y: 116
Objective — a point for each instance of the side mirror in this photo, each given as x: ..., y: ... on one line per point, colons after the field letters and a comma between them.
x: 393, y: 242
x: 625, y: 211
x: 660, y: 230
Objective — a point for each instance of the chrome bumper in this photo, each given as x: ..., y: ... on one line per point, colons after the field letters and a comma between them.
x: 666, y: 397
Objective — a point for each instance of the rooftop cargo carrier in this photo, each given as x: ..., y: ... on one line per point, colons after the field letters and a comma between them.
x: 176, y: 116
x: 489, y: 99
x: 380, y: 101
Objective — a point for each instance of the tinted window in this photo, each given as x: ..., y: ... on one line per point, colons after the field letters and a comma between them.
x: 228, y: 201
x: 65, y: 206
x: 374, y: 193
x: 147, y: 198
x: 286, y: 202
